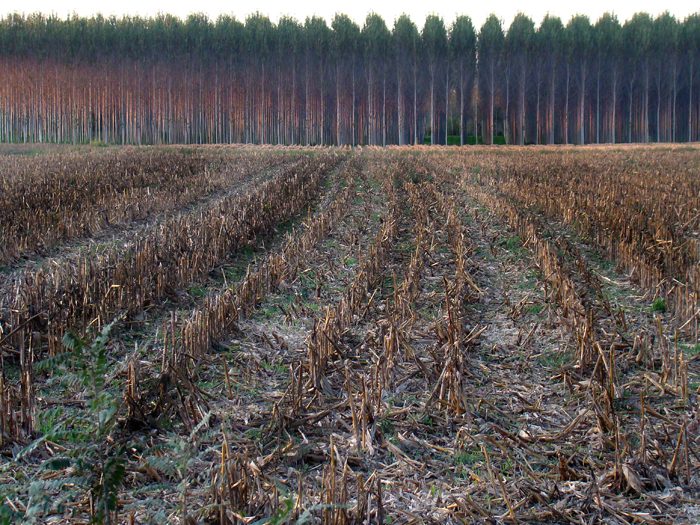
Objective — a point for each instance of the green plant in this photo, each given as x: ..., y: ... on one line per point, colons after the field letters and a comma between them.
x: 387, y: 427
x: 468, y: 457
x: 254, y: 434
x: 659, y: 305
x: 554, y: 360
x: 513, y: 243
x: 198, y: 291
x: 692, y: 350
x: 91, y: 459
x: 535, y: 309
x: 506, y: 467
x: 185, y: 450
x: 8, y: 516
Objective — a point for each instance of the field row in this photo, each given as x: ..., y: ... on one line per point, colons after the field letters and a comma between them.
x: 48, y: 200
x: 642, y: 210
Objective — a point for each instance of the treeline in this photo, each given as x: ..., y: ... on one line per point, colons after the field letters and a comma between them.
x: 167, y: 80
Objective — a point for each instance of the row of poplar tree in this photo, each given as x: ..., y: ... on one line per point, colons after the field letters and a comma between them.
x: 167, y: 80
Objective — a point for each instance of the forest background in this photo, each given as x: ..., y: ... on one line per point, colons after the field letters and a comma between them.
x: 162, y: 79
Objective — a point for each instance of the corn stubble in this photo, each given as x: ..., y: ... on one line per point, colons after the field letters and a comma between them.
x: 377, y: 363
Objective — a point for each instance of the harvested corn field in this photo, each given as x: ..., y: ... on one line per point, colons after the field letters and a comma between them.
x: 234, y: 335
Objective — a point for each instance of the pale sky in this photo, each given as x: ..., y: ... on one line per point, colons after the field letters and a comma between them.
x: 478, y: 10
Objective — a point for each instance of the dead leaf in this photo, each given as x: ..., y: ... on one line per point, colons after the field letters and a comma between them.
x: 632, y: 478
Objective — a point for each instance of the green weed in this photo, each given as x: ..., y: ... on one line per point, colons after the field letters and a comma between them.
x: 659, y: 305
x: 92, y: 459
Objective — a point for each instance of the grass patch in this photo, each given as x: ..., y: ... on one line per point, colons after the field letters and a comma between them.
x: 554, y: 360
x: 691, y: 350
x: 535, y: 309
x: 512, y: 244
x: 198, y: 291
x: 469, y: 457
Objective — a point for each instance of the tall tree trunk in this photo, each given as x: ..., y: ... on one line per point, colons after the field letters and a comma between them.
x: 399, y: 107
x: 552, y: 93
x: 492, y: 96
x: 323, y: 104
x: 293, y: 119
x: 415, y: 101
x: 522, y: 107
x: 447, y: 101
x: 461, y: 110
x: 673, y: 101
x: 597, y: 108
x: 690, y: 101
x: 537, y: 112
x: 475, y: 92
x: 582, y: 99
x: 614, y: 104
x: 307, y: 110
x: 354, y: 141
x: 629, y: 112
x: 262, y: 106
x: 337, y: 104
x: 566, y: 110
x: 246, y: 110
x: 280, y: 106
x: 646, y: 103
x: 369, y: 108
x: 658, y: 104
x: 432, y: 109
x: 506, y: 124
x: 384, y: 108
